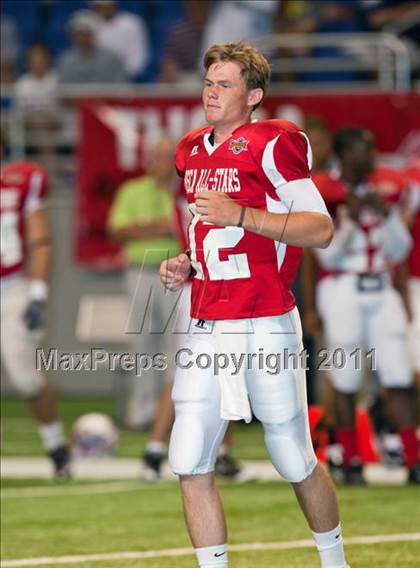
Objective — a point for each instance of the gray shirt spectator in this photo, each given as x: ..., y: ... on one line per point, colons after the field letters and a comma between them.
x: 99, y: 67
x: 84, y: 62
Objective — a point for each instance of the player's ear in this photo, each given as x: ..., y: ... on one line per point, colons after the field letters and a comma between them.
x: 255, y: 96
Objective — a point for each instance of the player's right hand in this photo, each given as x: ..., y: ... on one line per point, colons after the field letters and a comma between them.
x: 174, y: 272
x: 34, y: 315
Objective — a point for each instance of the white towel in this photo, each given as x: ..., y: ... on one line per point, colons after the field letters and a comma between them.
x: 231, y: 339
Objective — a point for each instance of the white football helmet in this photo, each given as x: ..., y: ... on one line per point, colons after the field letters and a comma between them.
x: 94, y: 435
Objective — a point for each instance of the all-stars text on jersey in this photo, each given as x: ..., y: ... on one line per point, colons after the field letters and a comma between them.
x: 225, y: 180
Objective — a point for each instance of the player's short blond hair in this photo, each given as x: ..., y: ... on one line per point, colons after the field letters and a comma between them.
x: 256, y: 70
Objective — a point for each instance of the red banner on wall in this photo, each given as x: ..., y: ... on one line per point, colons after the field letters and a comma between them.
x: 114, y: 134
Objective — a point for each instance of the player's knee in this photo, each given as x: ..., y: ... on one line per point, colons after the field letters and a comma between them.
x: 190, y: 451
x: 290, y: 447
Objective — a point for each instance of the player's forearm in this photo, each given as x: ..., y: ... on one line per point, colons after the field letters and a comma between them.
x: 303, y: 229
x: 39, y: 246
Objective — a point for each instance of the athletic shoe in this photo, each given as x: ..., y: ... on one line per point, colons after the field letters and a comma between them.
x: 61, y: 460
x: 414, y: 474
x: 353, y: 473
x: 151, y: 466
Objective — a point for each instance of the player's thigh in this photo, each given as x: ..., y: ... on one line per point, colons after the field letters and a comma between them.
x: 18, y: 347
x: 414, y: 327
x: 388, y: 336
x: 343, y: 322
x: 275, y: 343
x: 198, y: 429
x: 278, y: 395
x: 338, y: 306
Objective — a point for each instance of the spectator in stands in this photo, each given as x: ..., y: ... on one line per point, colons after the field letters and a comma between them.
x: 233, y: 20
x: 123, y: 34
x: 84, y: 62
x: 36, y: 89
x: 184, y: 39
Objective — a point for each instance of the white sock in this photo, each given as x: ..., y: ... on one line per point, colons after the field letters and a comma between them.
x: 212, y: 556
x: 330, y: 548
x: 52, y: 435
x: 156, y: 447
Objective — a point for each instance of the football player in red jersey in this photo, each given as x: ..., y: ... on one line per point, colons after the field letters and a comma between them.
x: 254, y: 206
x: 356, y: 299
x: 413, y: 214
x: 25, y: 240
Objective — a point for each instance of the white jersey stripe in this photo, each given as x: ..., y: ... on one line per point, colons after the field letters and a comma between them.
x: 269, y: 165
x: 274, y: 206
x: 308, y: 150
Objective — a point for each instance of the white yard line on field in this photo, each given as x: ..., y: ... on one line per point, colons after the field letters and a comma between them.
x: 65, y: 490
x: 171, y: 552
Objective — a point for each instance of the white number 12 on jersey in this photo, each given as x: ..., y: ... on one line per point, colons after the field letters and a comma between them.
x: 236, y: 265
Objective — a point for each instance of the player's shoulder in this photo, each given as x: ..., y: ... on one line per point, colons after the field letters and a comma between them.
x: 266, y: 130
x: 330, y: 186
x: 192, y: 137
x: 19, y: 172
x: 389, y: 182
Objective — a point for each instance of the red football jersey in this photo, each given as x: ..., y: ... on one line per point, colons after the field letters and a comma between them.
x: 365, y: 252
x: 238, y: 273
x: 23, y: 187
x: 413, y: 175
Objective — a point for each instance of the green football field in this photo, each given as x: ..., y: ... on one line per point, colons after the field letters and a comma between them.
x: 44, y: 519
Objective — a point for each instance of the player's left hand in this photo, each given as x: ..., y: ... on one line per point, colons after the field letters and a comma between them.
x: 34, y: 315
x: 217, y: 208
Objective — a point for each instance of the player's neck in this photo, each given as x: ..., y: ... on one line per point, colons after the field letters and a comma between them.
x: 224, y: 131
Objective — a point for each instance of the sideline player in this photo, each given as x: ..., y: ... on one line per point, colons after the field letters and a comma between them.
x: 248, y: 184
x: 356, y: 299
x: 413, y: 214
x: 25, y: 240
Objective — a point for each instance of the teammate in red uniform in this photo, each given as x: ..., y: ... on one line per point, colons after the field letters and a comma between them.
x: 356, y: 299
x: 413, y: 209
x: 25, y: 240
x: 254, y: 206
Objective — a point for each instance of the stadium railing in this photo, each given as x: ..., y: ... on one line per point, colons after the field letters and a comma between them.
x: 379, y: 62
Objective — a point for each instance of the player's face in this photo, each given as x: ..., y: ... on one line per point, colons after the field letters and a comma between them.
x: 362, y: 156
x: 226, y: 98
